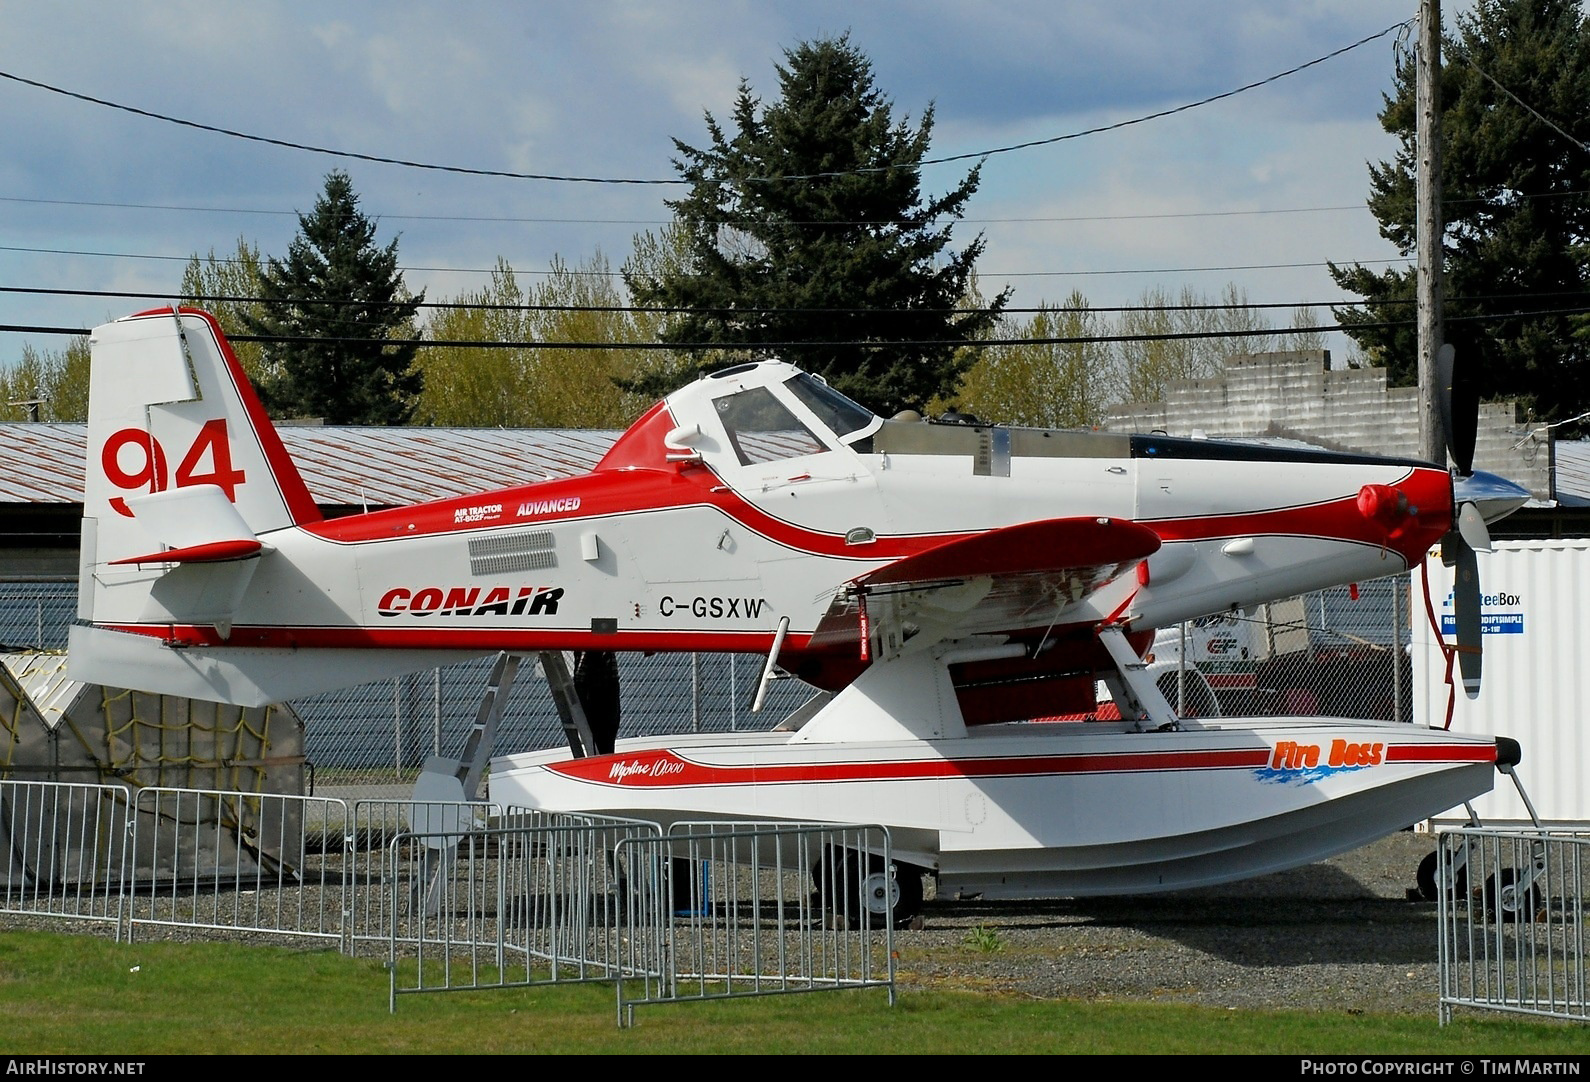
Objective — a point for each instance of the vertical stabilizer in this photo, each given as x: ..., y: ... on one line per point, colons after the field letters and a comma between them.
x: 187, y: 495
x: 182, y: 475
x: 169, y: 407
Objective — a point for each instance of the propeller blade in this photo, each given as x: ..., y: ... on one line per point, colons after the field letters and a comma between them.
x: 1471, y: 525
x: 1459, y: 404
x: 1457, y: 553
x: 1479, y: 498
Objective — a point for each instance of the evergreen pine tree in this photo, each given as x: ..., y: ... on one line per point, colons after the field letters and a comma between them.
x: 226, y: 286
x: 808, y: 226
x: 1515, y: 178
x: 343, y: 300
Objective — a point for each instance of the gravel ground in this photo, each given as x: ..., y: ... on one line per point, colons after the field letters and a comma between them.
x: 1342, y: 934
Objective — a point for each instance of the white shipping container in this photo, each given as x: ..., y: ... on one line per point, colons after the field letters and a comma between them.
x: 1535, y: 678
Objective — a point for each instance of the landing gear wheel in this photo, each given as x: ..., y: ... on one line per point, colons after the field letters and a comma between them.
x: 878, y: 893
x: 1506, y: 901
x: 1425, y: 878
x: 908, y: 896
x: 859, y: 887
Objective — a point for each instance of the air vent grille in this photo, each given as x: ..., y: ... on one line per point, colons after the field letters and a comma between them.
x: 502, y: 554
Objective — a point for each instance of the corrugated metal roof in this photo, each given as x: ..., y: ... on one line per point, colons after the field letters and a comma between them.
x: 409, y: 465
x: 43, y: 462
x: 1573, y: 472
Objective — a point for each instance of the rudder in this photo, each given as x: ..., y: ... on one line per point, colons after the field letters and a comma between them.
x: 182, y: 463
x: 170, y: 407
x: 187, y: 493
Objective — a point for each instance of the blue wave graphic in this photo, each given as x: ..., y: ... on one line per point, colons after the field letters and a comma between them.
x: 1300, y: 776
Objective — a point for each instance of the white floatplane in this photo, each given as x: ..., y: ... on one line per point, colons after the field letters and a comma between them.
x: 938, y: 585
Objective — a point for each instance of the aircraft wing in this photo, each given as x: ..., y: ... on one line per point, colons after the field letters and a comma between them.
x: 1002, y: 581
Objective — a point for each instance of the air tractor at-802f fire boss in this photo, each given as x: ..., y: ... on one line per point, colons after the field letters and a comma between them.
x: 938, y: 585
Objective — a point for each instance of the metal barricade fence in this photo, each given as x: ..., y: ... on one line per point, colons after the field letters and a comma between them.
x: 67, y: 847
x: 467, y: 895
x: 231, y: 861
x: 540, y: 898
x: 374, y: 824
x: 707, y: 911
x: 764, y: 908
x: 1512, y: 915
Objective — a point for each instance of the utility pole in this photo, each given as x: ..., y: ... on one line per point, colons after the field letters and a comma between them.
x: 1428, y: 229
x: 32, y: 404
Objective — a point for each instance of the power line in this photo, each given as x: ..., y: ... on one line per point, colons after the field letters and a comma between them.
x: 1156, y: 216
x: 1182, y: 270
x: 1224, y: 306
x: 1124, y: 123
x: 614, y: 274
x: 1531, y: 110
x: 109, y: 205
x: 321, y: 150
x: 659, y: 222
x: 757, y: 347
x: 980, y: 154
x: 765, y: 347
x: 461, y: 305
x: 469, y: 306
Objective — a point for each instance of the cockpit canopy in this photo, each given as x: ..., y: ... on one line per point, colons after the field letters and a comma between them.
x: 771, y: 410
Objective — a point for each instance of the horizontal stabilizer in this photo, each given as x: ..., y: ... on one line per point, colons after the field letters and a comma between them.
x: 192, y: 524
x: 209, y: 552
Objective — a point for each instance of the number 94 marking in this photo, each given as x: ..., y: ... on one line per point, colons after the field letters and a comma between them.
x: 133, y: 460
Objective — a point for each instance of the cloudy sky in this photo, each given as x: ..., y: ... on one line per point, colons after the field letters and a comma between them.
x: 1259, y: 188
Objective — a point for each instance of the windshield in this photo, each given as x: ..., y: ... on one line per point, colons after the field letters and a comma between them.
x: 761, y: 429
x: 832, y: 408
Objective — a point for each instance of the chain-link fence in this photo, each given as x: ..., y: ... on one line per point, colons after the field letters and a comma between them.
x: 395, y: 724
x: 1340, y: 652
x: 37, y: 615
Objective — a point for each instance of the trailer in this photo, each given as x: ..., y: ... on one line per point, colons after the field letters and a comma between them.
x: 1535, y: 680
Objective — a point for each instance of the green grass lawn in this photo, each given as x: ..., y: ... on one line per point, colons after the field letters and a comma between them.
x: 83, y: 995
